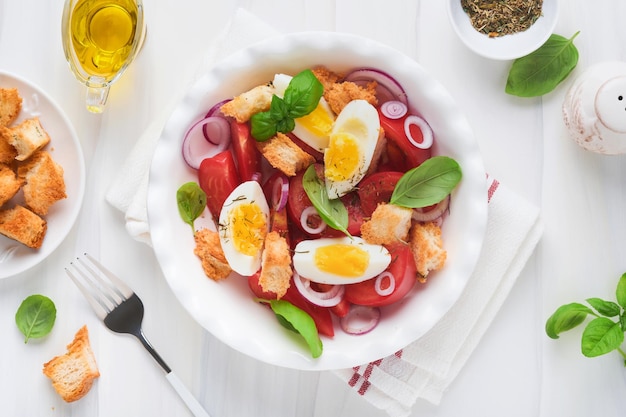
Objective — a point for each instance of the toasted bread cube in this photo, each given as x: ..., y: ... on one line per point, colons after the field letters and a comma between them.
x: 283, y: 154
x: 427, y: 247
x: 209, y: 250
x: 73, y: 373
x: 20, y: 224
x: 44, y: 184
x: 275, y: 265
x: 10, y: 105
x: 7, y: 151
x: 27, y: 138
x: 388, y: 224
x: 9, y: 184
x: 242, y: 107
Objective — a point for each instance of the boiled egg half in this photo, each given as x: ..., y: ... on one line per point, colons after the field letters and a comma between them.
x: 243, y: 226
x: 314, y: 128
x: 341, y: 260
x: 351, y: 146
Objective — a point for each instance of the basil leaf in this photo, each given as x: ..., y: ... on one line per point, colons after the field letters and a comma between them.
x: 601, y: 336
x: 332, y: 212
x: 566, y: 318
x: 191, y: 202
x: 620, y: 292
x: 428, y: 183
x: 303, y: 94
x: 35, y: 317
x: 296, y: 319
x: 606, y: 308
x: 541, y: 71
x: 263, y: 126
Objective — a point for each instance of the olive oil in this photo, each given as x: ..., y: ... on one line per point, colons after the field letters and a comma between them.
x: 103, y: 35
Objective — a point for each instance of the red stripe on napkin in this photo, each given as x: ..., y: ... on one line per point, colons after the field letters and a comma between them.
x: 363, y: 373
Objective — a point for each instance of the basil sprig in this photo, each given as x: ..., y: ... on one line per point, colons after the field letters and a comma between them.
x: 191, y: 202
x: 428, y: 183
x: 299, y: 321
x: 604, y: 333
x: 301, y: 97
x: 35, y: 317
x: 332, y: 211
x: 541, y: 71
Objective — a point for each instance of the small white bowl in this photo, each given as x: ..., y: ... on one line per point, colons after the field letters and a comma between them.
x: 508, y: 46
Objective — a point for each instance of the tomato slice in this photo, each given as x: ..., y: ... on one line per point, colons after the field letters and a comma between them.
x: 394, y: 131
x: 218, y: 177
x: 402, y: 267
x: 377, y: 188
x: 244, y: 146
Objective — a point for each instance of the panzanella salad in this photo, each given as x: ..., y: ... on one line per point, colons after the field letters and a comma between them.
x: 324, y: 196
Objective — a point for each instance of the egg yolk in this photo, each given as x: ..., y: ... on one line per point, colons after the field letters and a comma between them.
x: 342, y: 259
x: 248, y: 228
x: 318, y: 122
x: 342, y: 157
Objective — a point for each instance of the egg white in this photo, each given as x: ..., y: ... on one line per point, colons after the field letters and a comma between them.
x: 247, y: 192
x: 304, y: 263
x: 360, y: 120
x: 317, y: 142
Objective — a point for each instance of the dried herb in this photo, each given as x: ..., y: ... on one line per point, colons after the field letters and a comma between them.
x: 502, y: 17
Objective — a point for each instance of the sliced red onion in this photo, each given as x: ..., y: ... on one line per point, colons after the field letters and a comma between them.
x: 280, y: 192
x: 256, y: 177
x: 432, y: 214
x: 388, y: 88
x: 360, y: 319
x: 304, y: 217
x: 427, y: 132
x: 394, y: 109
x: 380, y: 280
x: 216, y: 111
x: 329, y: 298
x: 196, y: 147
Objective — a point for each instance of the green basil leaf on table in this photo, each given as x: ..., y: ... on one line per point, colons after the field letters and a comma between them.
x: 541, y: 71
x: 606, y: 308
x: 296, y: 319
x: 620, y: 292
x: 191, y: 202
x: 332, y: 212
x: 601, y: 336
x: 35, y: 316
x: 428, y: 183
x: 566, y: 318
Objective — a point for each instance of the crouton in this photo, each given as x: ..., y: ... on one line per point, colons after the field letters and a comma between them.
x: 427, y: 247
x: 326, y: 77
x: 73, y: 373
x: 20, y: 224
x: 9, y: 184
x: 209, y: 250
x: 44, y: 184
x: 275, y: 265
x: 338, y: 95
x: 388, y: 224
x: 27, y: 137
x: 242, y: 107
x: 283, y: 154
x: 10, y: 105
x: 7, y: 151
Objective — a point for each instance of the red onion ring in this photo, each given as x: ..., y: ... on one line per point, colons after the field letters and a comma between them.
x: 216, y: 111
x: 360, y: 319
x: 394, y: 109
x: 196, y: 147
x: 280, y: 192
x: 378, y: 284
x: 427, y: 132
x: 433, y: 214
x: 388, y: 88
x: 306, y: 213
x: 328, y: 298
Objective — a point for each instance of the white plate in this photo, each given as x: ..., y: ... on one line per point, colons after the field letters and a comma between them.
x: 226, y: 308
x: 65, y: 149
x: 509, y: 46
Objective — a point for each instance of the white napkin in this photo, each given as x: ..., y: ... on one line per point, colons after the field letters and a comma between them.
x: 425, y: 368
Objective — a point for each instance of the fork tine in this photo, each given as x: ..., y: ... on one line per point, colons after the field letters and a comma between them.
x: 99, y: 307
x: 119, y: 286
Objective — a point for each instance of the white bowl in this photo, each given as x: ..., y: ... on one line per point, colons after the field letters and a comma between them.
x: 508, y: 46
x: 226, y: 308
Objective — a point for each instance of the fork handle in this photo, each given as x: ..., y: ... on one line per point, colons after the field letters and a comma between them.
x: 193, y: 404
